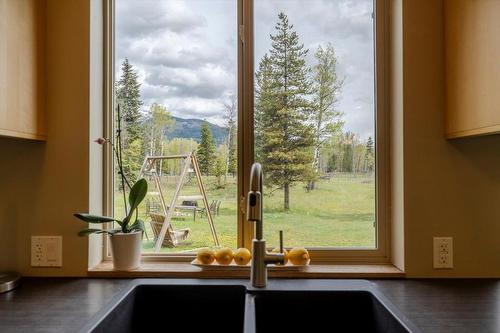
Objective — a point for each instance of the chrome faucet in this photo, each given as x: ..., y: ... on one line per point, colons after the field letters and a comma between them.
x: 254, y: 213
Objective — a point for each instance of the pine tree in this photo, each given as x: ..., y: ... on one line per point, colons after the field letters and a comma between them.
x: 128, y: 95
x: 219, y: 169
x: 283, y: 110
x: 332, y: 162
x: 264, y: 103
x: 206, y: 149
x: 369, y: 155
x: 325, y: 117
x: 348, y: 152
x: 333, y: 149
x: 129, y: 98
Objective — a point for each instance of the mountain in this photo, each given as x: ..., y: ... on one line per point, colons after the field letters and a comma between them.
x: 190, y: 129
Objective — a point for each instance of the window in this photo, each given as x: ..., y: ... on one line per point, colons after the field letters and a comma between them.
x: 296, y: 88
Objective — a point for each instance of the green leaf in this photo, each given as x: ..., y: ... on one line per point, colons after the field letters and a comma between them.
x: 86, y: 232
x: 137, y: 194
x: 138, y: 225
x: 95, y: 218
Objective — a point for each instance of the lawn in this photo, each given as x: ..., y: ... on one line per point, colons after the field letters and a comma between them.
x: 339, y: 213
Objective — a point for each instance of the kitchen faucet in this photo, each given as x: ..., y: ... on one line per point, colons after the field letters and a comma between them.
x: 254, y: 213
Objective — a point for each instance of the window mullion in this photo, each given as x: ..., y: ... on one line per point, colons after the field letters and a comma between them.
x: 245, y: 115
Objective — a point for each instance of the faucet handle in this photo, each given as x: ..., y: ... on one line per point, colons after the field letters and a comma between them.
x: 281, y: 241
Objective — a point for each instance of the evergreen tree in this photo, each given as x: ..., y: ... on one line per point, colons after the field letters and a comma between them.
x: 286, y: 136
x: 333, y: 150
x: 128, y: 95
x: 348, y: 152
x: 369, y: 155
x: 206, y: 149
x: 325, y: 117
x: 332, y: 162
x: 264, y: 104
x: 129, y: 98
x: 219, y: 169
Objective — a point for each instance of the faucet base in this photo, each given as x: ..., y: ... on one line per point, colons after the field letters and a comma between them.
x: 258, y: 270
x: 260, y: 260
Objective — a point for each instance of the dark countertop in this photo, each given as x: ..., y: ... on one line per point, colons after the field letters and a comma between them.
x: 65, y: 304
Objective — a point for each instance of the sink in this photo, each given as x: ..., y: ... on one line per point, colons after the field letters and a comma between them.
x: 177, y: 308
x: 193, y: 305
x: 314, y: 311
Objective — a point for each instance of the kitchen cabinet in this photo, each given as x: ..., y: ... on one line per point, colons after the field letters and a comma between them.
x: 22, y: 37
x: 472, y: 30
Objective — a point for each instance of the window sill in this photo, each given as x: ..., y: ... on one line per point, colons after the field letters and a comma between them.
x: 186, y: 270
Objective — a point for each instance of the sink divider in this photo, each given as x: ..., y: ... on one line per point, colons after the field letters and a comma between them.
x: 250, y: 320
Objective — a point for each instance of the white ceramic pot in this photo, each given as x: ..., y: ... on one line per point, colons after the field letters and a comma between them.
x: 126, y: 250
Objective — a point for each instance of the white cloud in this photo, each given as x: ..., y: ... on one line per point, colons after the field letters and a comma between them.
x: 138, y: 18
x: 185, y: 51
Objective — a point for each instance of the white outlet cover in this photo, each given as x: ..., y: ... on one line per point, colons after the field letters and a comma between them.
x: 46, y: 251
x: 443, y: 252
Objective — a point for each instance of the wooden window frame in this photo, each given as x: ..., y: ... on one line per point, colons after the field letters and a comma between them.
x: 322, y: 255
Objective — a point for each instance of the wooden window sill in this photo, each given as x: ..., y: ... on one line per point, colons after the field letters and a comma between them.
x: 186, y: 270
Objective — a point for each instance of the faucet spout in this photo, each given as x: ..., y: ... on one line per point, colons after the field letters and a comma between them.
x: 254, y: 204
x: 254, y: 213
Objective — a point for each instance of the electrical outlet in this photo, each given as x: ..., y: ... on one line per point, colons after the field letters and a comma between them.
x: 443, y: 252
x: 46, y: 251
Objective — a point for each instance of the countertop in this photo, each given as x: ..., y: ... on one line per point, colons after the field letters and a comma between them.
x: 66, y: 304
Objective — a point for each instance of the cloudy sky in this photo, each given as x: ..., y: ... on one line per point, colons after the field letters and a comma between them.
x: 185, y: 50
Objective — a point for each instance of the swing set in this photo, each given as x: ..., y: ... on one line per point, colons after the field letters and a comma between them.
x: 190, y: 162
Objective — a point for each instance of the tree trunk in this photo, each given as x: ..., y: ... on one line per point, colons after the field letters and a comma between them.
x: 286, y: 192
x: 312, y: 184
x: 228, y: 147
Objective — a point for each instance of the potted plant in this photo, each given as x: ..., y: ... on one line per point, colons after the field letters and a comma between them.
x: 126, y: 241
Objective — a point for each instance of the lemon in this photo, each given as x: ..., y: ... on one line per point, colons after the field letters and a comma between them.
x: 277, y: 250
x: 224, y: 256
x: 299, y: 256
x: 205, y: 256
x: 242, y: 256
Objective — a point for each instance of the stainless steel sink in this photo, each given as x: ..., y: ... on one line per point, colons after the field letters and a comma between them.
x: 166, y: 305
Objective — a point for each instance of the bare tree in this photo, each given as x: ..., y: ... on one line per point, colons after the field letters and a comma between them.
x: 230, y: 117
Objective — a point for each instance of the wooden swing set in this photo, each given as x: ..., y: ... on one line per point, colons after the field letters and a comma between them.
x: 190, y: 160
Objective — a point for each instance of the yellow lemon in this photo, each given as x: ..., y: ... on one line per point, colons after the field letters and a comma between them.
x: 299, y: 256
x: 224, y: 256
x: 285, y: 252
x: 205, y: 256
x: 242, y: 256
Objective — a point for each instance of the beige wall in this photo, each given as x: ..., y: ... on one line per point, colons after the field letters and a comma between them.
x: 42, y: 184
x: 452, y: 188
x: 395, y: 99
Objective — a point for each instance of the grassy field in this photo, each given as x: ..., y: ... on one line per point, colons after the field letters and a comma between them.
x: 339, y: 213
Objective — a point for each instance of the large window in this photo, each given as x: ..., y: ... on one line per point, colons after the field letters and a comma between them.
x: 205, y: 88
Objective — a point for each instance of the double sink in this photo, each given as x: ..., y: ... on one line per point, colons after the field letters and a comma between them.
x: 166, y: 305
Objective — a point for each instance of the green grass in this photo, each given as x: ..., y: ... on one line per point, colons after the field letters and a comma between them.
x: 339, y: 213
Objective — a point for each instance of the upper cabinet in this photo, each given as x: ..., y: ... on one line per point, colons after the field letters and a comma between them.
x: 472, y: 67
x: 22, y: 29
